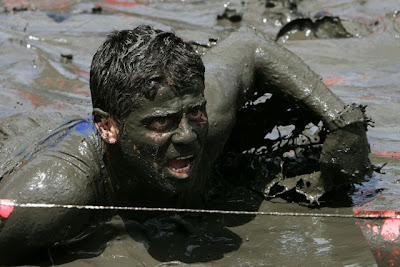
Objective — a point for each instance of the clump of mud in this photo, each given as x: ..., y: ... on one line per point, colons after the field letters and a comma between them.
x: 322, y: 26
x: 278, y: 149
x: 264, y: 150
x: 230, y: 14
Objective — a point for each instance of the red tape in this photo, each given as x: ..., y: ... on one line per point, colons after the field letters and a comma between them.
x: 383, y: 236
x: 6, y: 208
x: 387, y: 154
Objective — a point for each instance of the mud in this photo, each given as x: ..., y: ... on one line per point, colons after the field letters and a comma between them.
x: 325, y: 27
x: 360, y: 68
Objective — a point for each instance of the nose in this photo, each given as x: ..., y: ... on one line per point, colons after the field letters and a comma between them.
x: 184, y: 134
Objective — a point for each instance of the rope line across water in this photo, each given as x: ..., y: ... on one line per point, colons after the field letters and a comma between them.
x: 269, y: 213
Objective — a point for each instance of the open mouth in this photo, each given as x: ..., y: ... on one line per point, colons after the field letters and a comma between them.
x: 181, y: 166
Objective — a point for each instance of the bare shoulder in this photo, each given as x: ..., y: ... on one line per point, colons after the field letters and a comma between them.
x: 63, y: 164
x: 66, y: 170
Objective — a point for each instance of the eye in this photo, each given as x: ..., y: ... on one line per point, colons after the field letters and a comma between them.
x: 161, y: 123
x: 195, y: 114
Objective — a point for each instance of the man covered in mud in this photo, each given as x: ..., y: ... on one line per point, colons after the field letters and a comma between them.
x: 160, y: 120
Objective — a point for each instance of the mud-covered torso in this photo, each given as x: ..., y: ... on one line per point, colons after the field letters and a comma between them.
x: 70, y: 141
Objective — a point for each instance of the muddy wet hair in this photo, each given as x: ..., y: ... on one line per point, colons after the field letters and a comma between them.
x: 133, y: 63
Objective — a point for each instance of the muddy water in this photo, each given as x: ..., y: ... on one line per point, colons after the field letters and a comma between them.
x: 45, y: 53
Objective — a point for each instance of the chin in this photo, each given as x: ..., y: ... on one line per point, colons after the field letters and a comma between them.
x: 173, y: 184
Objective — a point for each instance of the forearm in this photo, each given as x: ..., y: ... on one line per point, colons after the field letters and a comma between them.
x: 28, y: 233
x: 284, y: 70
x: 48, y: 180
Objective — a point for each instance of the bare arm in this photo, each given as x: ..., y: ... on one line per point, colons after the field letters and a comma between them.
x: 233, y: 67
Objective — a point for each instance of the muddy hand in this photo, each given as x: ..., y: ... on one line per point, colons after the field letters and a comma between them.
x: 344, y: 156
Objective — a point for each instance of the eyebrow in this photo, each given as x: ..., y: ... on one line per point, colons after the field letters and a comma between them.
x: 199, y: 103
x: 164, y: 113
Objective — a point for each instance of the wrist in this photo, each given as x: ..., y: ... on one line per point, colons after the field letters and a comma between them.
x: 350, y: 114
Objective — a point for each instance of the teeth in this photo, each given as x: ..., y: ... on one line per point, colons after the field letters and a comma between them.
x: 184, y: 169
x: 186, y: 157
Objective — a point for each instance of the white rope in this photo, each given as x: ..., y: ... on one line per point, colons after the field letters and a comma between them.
x: 379, y: 214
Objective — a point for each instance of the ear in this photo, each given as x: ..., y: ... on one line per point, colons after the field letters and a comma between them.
x: 106, y: 126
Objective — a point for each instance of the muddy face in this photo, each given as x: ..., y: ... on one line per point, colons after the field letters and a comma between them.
x: 162, y: 139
